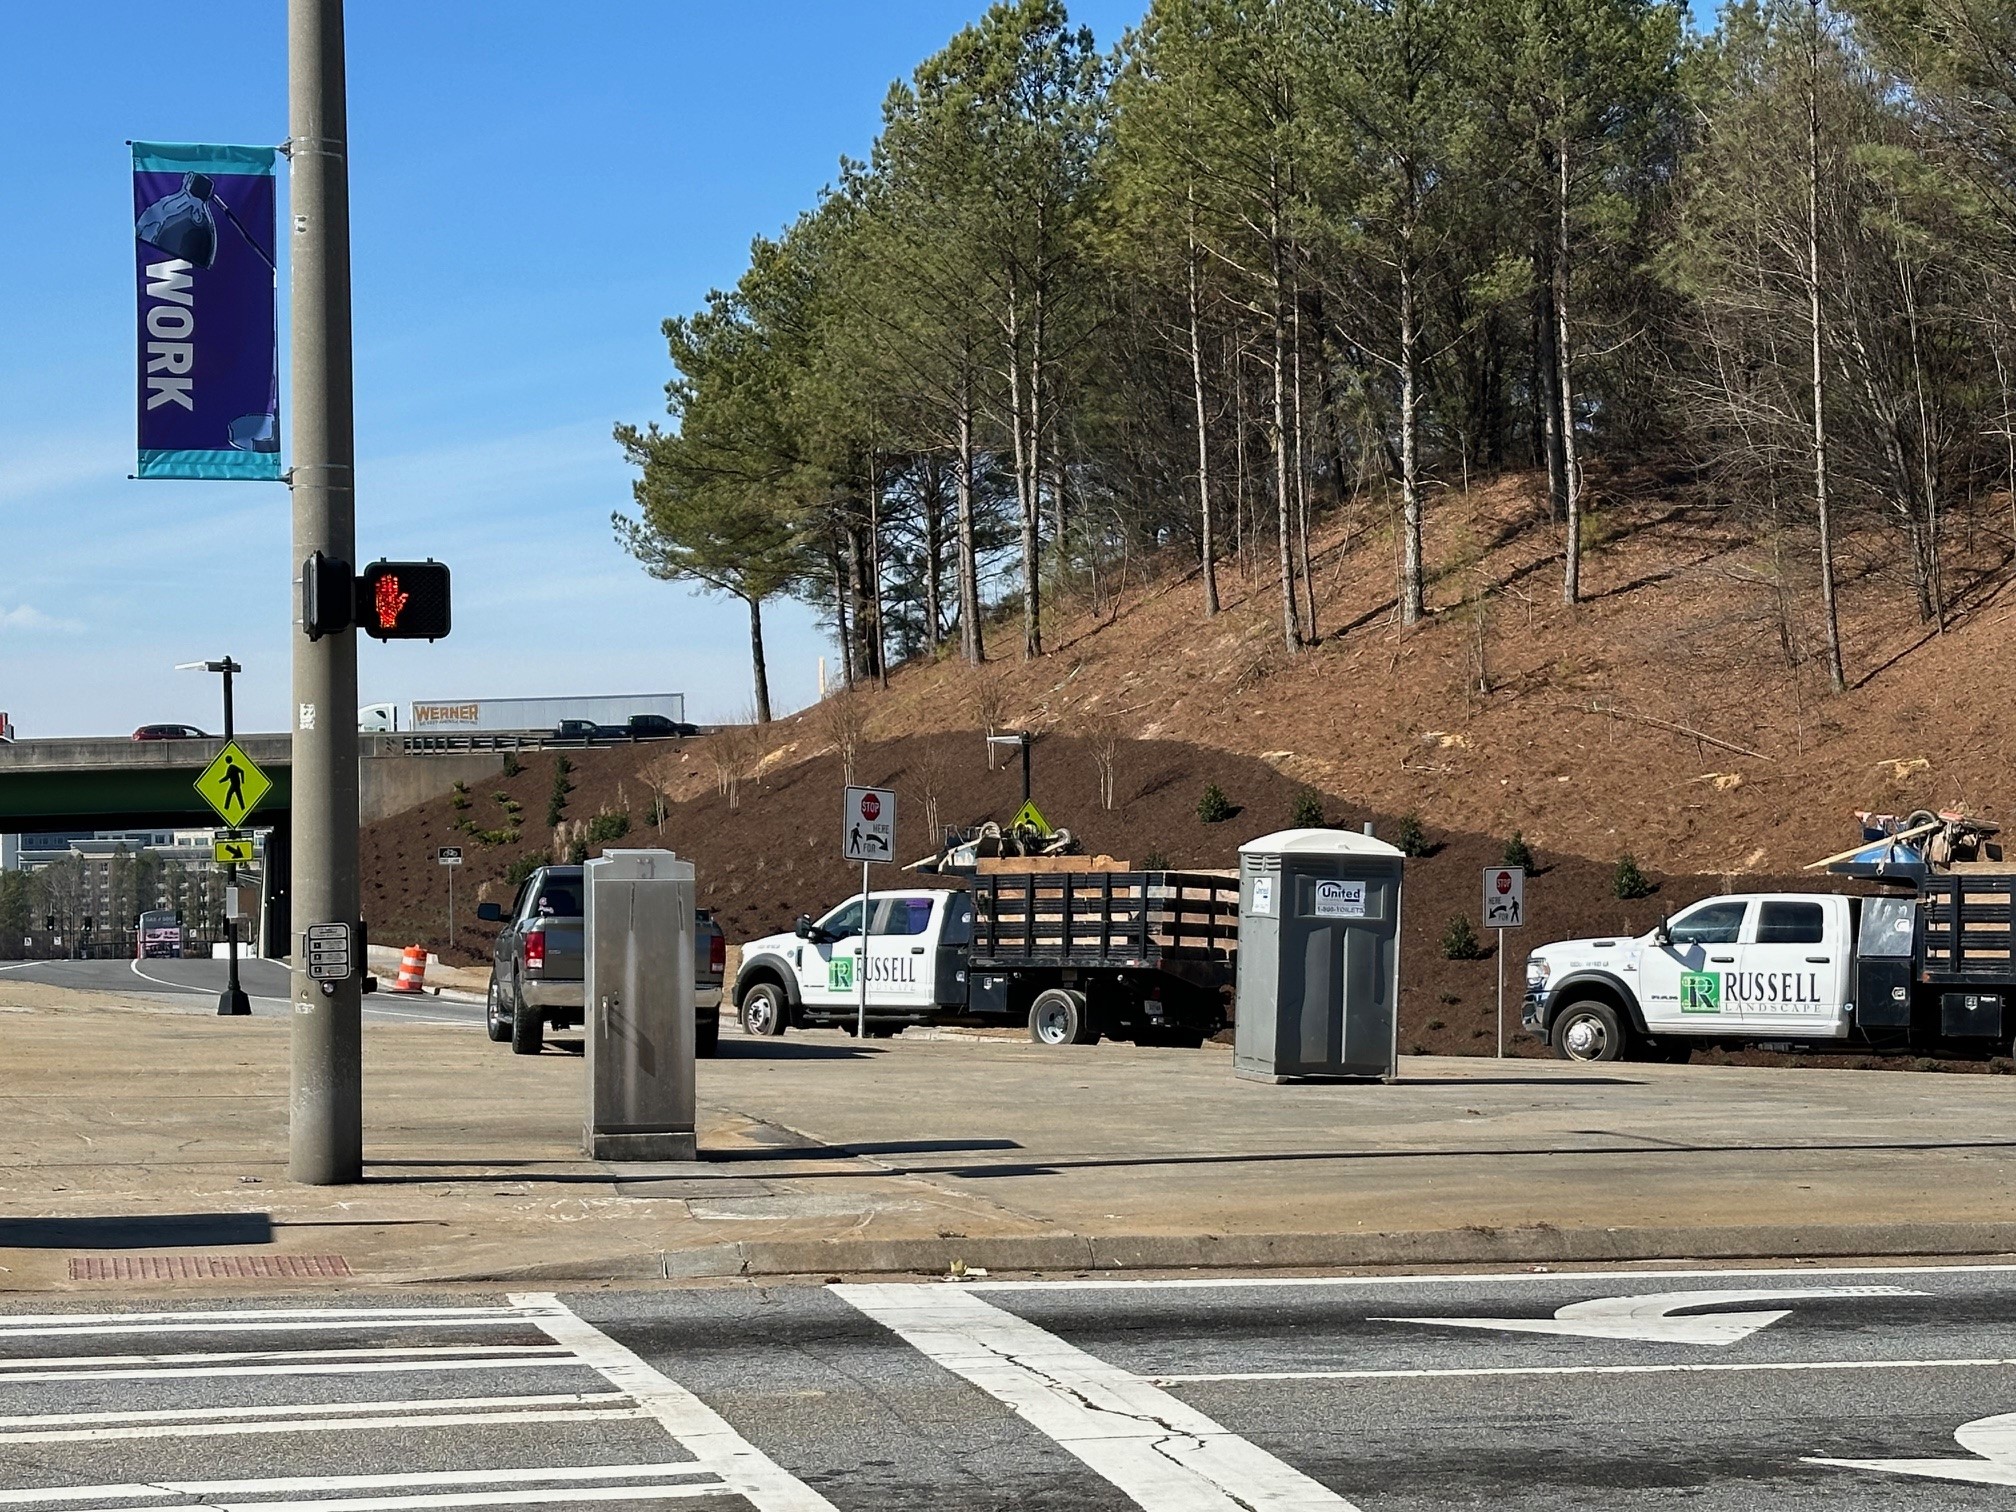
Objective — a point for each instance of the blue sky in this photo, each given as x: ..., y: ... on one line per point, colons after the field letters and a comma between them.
x: 535, y: 187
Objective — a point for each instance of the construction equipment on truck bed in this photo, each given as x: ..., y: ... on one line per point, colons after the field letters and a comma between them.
x: 1900, y: 850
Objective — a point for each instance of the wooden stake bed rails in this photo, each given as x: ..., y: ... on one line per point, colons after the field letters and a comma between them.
x: 1104, y: 918
x: 1967, y: 929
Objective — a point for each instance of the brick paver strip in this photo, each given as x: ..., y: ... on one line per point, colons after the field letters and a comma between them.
x: 205, y: 1267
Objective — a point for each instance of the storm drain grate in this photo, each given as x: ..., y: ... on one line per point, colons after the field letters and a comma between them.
x: 206, y: 1267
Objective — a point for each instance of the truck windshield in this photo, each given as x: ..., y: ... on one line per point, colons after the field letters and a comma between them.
x: 559, y: 900
x: 844, y: 922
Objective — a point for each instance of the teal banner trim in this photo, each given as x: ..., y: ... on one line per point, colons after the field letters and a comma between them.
x: 256, y: 467
x: 201, y: 157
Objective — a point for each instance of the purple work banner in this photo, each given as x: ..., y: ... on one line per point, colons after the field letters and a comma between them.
x: 209, y: 392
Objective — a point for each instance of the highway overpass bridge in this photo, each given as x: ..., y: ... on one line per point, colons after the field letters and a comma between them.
x: 113, y: 784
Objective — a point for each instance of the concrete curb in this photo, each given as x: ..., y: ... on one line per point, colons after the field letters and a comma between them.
x: 1537, y: 1245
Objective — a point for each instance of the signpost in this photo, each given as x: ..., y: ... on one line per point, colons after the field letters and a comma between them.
x: 867, y: 834
x: 450, y: 856
x: 1504, y: 908
x: 232, y: 785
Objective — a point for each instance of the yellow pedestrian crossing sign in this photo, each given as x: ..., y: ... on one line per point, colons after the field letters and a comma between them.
x: 1029, y: 817
x: 236, y: 851
x: 232, y: 785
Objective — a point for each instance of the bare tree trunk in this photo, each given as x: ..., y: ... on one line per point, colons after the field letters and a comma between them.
x: 757, y: 663
x: 1413, y: 597
x: 1302, y: 485
x: 2008, y: 434
x: 841, y: 626
x: 1239, y: 466
x: 972, y: 644
x: 1025, y: 483
x: 1291, y: 629
x: 1837, y: 679
x: 934, y: 554
x: 875, y: 568
x: 1209, y: 547
x: 1571, y: 465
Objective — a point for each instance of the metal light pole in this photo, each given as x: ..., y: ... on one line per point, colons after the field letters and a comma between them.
x: 231, y: 1002
x: 326, y: 1125
x: 1024, y: 739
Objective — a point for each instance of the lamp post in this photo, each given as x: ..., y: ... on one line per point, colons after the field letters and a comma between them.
x: 1024, y: 739
x: 232, y: 1002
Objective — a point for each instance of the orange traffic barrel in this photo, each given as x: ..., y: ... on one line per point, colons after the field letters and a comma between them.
x: 412, y: 970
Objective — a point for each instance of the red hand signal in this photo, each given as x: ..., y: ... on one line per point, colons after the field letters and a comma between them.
x: 390, y: 601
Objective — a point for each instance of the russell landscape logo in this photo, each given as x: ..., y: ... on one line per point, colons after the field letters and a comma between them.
x: 1700, y: 992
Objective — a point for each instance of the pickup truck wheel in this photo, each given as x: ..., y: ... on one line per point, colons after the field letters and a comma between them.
x: 496, y: 1022
x: 1589, y: 1032
x: 1058, y: 1017
x: 528, y: 1029
x: 706, y: 1038
x: 764, y: 1010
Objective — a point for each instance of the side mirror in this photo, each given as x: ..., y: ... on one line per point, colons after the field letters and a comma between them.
x: 804, y: 926
x: 490, y: 913
x: 1661, y: 935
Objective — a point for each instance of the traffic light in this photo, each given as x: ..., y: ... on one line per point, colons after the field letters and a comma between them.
x: 404, y: 600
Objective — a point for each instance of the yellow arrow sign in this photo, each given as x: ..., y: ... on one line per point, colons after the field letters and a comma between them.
x: 1030, y: 817
x: 233, y: 852
x: 232, y: 785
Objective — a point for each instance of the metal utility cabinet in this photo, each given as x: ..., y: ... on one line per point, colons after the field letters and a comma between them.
x: 1319, y: 956
x: 637, y: 930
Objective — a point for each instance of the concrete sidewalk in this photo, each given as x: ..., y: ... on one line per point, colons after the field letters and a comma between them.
x: 129, y: 1133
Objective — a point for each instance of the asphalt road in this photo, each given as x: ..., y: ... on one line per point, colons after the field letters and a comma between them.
x: 1891, y: 1388
x: 195, y: 985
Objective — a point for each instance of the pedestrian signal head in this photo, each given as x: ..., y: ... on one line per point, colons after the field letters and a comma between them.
x: 404, y: 600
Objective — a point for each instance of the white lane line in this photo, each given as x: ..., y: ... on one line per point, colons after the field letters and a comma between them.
x: 1444, y: 1278
x: 307, y: 1323
x: 453, y: 1351
x: 1983, y: 1362
x: 309, y: 1409
x: 557, y: 1474
x: 318, y: 1425
x: 340, y: 1367
x: 1163, y: 1453
x: 662, y: 1491
x: 700, y: 1430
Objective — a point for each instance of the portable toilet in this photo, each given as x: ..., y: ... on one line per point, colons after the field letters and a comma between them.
x: 1319, y: 956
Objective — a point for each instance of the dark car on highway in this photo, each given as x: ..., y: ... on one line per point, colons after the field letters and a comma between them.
x: 169, y: 732
x: 657, y: 727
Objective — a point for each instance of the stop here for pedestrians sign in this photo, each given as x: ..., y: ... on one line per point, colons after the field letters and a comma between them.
x: 868, y: 824
x: 1504, y: 897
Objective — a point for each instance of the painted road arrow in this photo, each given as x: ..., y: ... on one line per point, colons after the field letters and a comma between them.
x: 1992, y: 1438
x: 1647, y: 1317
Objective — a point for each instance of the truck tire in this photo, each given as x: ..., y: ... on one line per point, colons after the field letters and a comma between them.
x: 528, y: 1028
x: 706, y: 1038
x: 496, y: 1022
x: 765, y: 1010
x: 1059, y: 1017
x: 1588, y: 1031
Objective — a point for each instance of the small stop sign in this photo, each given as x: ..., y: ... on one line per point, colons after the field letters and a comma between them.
x: 871, y: 806
x: 1504, y: 883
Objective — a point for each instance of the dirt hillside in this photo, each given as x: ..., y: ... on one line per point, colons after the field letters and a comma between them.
x: 1678, y: 715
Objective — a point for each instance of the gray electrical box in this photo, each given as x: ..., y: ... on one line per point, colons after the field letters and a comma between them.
x: 1319, y: 956
x: 637, y: 936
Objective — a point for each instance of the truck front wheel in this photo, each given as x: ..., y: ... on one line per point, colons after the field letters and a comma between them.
x: 1058, y: 1017
x: 764, y: 1010
x: 1589, y: 1032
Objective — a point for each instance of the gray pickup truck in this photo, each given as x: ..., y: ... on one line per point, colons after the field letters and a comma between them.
x: 536, y: 968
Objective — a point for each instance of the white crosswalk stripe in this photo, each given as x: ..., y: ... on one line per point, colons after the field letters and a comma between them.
x: 189, y: 1426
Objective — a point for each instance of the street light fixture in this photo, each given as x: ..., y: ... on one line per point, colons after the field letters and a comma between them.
x: 232, y: 1002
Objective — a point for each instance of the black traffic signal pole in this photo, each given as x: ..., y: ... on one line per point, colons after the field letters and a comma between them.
x: 232, y: 1002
